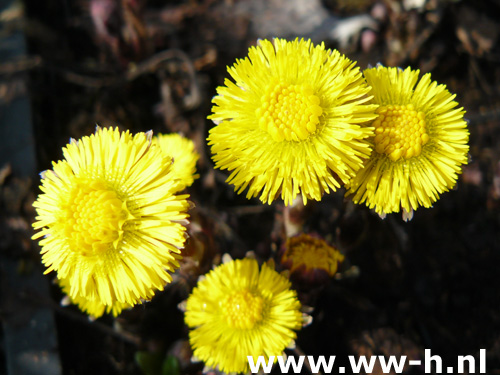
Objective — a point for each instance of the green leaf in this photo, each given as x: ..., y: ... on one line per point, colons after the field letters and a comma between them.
x: 150, y: 363
x: 170, y: 366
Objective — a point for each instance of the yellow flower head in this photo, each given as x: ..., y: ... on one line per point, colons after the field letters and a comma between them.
x: 237, y: 311
x: 292, y: 121
x: 183, y: 154
x: 110, y: 220
x: 420, y: 143
x: 310, y: 259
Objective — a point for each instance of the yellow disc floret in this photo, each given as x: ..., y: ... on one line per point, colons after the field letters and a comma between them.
x: 289, y: 112
x: 95, y: 218
x: 243, y: 309
x: 400, y: 131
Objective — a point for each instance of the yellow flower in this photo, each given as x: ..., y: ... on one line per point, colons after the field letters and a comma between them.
x: 110, y: 220
x: 292, y: 121
x: 420, y: 143
x: 237, y: 311
x: 94, y: 308
x: 310, y: 259
x: 184, y: 156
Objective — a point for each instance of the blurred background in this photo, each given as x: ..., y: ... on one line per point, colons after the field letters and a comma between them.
x: 65, y: 66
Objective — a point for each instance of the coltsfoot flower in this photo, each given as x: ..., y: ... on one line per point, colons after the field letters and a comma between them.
x: 420, y: 143
x: 93, y: 307
x: 237, y: 311
x: 291, y: 122
x: 181, y: 150
x: 310, y: 259
x: 111, y: 222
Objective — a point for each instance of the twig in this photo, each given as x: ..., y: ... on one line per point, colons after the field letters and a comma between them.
x: 20, y: 65
x: 124, y: 336
x: 477, y: 73
x: 151, y: 65
x: 250, y: 210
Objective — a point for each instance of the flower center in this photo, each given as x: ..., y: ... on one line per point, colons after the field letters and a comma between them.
x: 289, y: 112
x: 243, y: 309
x: 400, y: 131
x: 95, y: 218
